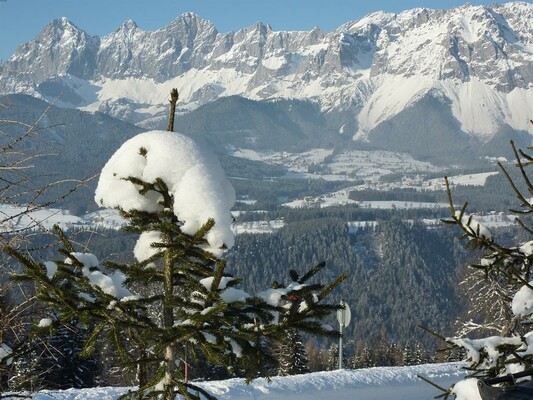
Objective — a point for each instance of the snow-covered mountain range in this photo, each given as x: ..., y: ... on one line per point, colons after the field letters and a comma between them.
x: 476, y: 62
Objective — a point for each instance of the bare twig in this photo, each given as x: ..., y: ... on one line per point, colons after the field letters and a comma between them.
x: 174, y: 96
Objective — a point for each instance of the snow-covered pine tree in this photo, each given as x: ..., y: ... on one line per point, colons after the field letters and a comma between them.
x: 420, y: 355
x: 65, y: 368
x: 407, y: 354
x: 509, y: 268
x: 175, y: 196
x: 364, y: 357
x: 382, y: 350
x: 394, y: 354
x: 5, y: 350
x: 292, y: 357
x: 16, y: 314
x: 333, y: 357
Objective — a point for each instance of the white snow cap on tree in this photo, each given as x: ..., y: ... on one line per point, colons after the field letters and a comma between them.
x: 522, y: 303
x: 143, y: 249
x: 191, y: 172
x: 110, y: 283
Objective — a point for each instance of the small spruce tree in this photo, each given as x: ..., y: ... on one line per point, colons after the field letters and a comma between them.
x: 175, y: 197
x: 292, y: 357
x: 407, y: 354
x: 333, y: 357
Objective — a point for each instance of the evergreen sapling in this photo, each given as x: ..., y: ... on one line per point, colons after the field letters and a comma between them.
x: 176, y: 198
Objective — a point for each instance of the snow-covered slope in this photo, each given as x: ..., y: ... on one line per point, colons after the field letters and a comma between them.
x: 20, y: 218
x: 385, y: 383
x: 478, y: 60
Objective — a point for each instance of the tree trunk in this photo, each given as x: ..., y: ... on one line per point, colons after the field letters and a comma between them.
x: 168, y: 322
x: 174, y: 96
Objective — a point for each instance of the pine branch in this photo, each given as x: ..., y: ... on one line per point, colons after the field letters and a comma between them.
x: 90, y: 345
x: 64, y: 240
x: 517, y: 192
x: 446, y: 392
x: 217, y: 276
x: 327, y: 290
x: 312, y: 272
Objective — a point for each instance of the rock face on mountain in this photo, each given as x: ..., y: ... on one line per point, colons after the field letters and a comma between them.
x: 61, y: 48
x: 476, y: 61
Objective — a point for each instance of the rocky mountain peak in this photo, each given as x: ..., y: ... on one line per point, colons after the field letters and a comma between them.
x: 62, y: 23
x: 128, y: 25
x: 58, y: 32
x: 60, y: 48
x: 189, y: 25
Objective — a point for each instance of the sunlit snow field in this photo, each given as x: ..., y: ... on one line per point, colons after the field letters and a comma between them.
x: 382, y: 383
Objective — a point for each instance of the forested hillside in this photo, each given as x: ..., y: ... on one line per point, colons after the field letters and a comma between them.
x: 399, y: 274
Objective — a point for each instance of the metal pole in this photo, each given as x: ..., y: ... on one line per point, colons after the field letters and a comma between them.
x: 344, y: 315
x: 340, y: 345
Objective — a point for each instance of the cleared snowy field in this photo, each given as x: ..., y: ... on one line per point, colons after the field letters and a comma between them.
x: 383, y: 383
x: 342, y: 197
x: 492, y: 220
x: 15, y: 219
x: 350, y: 165
x: 257, y: 226
x: 460, y: 180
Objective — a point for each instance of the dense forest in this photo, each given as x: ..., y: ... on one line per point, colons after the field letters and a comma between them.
x: 400, y: 274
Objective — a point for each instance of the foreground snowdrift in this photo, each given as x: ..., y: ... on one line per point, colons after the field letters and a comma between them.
x: 385, y: 383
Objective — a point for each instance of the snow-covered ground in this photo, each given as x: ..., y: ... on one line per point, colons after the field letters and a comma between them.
x: 372, y: 165
x: 342, y: 197
x: 490, y: 220
x: 110, y: 219
x: 497, y: 220
x: 396, y: 204
x: 368, y: 166
x: 257, y: 226
x: 15, y: 219
x: 382, y: 383
x: 460, y: 180
x: 349, y: 165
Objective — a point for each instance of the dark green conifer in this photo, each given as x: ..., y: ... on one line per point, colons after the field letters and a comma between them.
x: 292, y: 356
x: 194, y: 312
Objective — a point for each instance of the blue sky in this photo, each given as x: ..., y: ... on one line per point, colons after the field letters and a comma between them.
x: 21, y: 20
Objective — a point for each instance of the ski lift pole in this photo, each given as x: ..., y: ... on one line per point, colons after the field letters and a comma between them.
x: 341, y: 331
x: 343, y: 316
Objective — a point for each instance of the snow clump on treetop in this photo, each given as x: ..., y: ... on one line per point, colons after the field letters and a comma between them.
x: 192, y: 173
